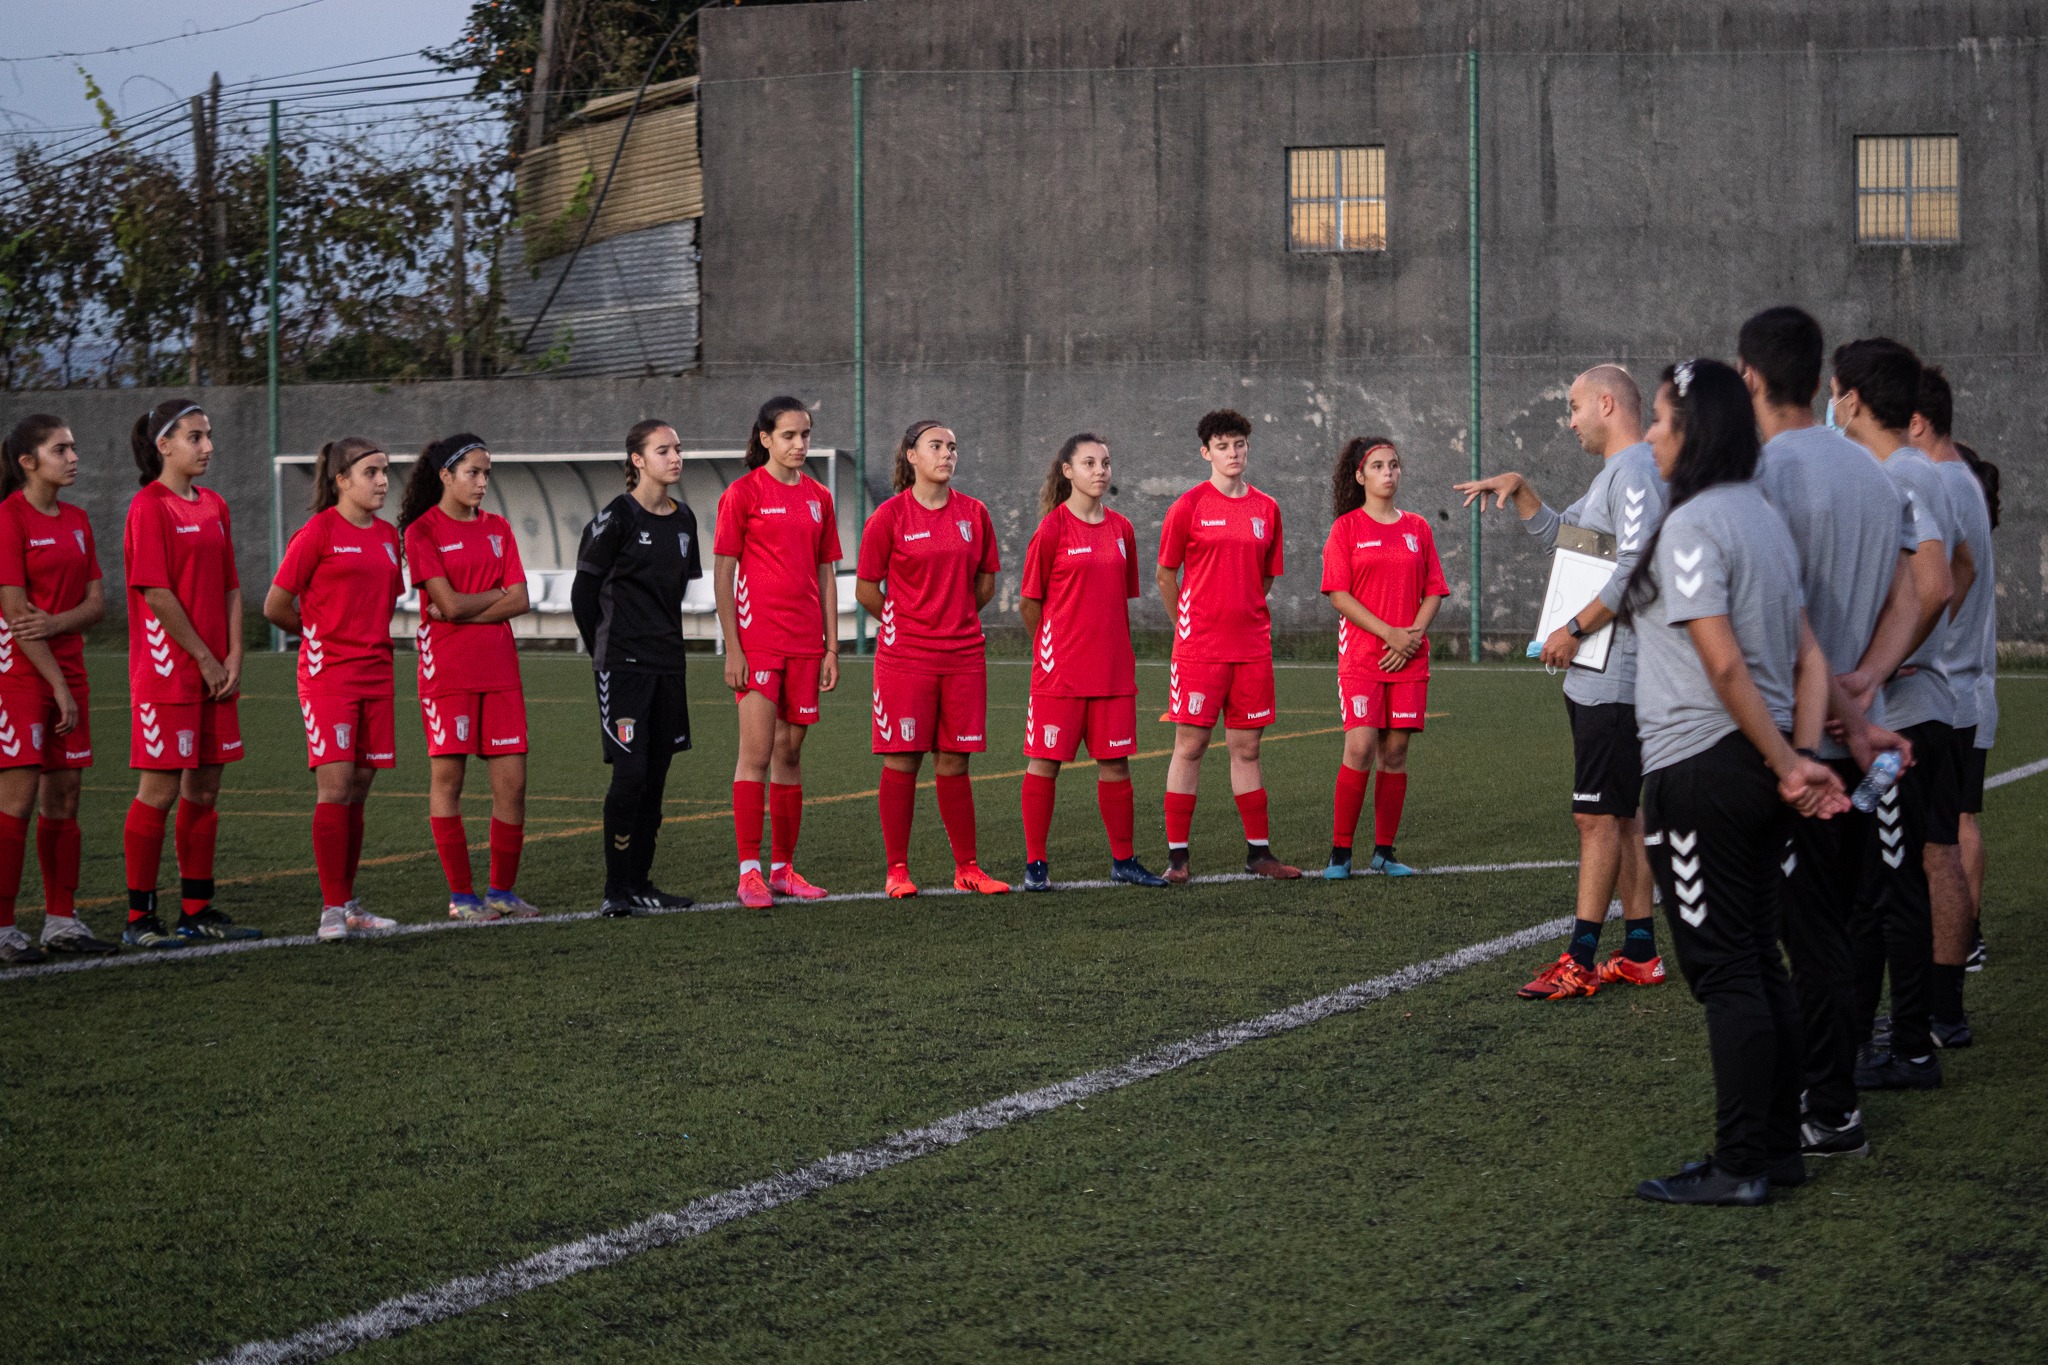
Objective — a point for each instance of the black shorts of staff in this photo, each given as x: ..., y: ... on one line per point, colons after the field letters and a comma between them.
x: 1970, y: 762
x: 1607, y: 759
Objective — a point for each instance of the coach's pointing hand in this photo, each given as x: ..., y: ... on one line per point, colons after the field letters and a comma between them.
x: 1504, y: 488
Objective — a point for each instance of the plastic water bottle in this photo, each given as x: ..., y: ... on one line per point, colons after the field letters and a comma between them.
x: 1884, y: 772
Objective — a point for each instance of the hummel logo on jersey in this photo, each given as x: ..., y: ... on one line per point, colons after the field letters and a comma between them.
x: 1888, y: 832
x: 1688, y: 582
x: 1398, y: 715
x: 962, y: 739
x: 194, y: 530
x: 1204, y: 521
x: 773, y: 511
x: 345, y: 549
x: 33, y: 542
x: 646, y: 539
x: 449, y: 549
x: 1370, y: 544
x: 1589, y: 797
x: 1632, y: 519
x: 1083, y: 549
x: 1261, y: 715
x: 1685, y: 872
x: 909, y: 536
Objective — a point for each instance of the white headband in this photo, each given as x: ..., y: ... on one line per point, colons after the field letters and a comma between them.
x: 181, y: 415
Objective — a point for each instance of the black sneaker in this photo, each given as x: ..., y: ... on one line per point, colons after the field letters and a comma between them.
x: 16, y: 950
x: 652, y: 897
x: 1880, y: 1035
x: 1703, y: 1182
x: 1786, y: 1172
x: 149, y: 932
x: 1037, y: 876
x: 1887, y: 1072
x: 1949, y: 1037
x: 211, y: 923
x: 1979, y: 955
x: 1131, y: 872
x: 1817, y: 1139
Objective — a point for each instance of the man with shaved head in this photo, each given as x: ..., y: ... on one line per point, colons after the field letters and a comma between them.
x: 1616, y: 517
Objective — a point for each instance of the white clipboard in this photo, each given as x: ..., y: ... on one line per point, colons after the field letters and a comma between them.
x: 1575, y: 580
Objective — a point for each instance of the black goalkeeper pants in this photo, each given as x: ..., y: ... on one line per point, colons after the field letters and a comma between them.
x: 646, y: 722
x: 1716, y: 834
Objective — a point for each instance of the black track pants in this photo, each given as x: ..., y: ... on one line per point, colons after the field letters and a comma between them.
x: 1894, y: 925
x: 646, y: 720
x: 1716, y: 833
x: 1824, y: 862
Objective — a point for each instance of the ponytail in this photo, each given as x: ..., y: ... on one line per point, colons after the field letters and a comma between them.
x: 21, y: 443
x: 423, y: 485
x: 1347, y: 494
x: 159, y: 422
x: 636, y: 441
x: 764, y: 422
x: 902, y: 476
x: 1058, y: 487
x: 336, y: 459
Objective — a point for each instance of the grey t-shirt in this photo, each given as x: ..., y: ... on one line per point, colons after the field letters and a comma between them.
x: 1923, y: 694
x: 1725, y: 553
x: 1626, y: 501
x: 1848, y: 520
x: 1987, y: 708
x: 1973, y: 629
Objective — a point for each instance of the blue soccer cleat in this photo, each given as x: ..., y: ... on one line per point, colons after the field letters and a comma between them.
x: 1388, y: 865
x: 1037, y: 877
x: 1131, y: 872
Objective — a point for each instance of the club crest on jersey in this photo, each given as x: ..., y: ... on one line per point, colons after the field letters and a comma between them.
x: 341, y: 735
x: 462, y: 728
x: 623, y: 728
x: 186, y: 741
x: 497, y: 545
x: 817, y: 513
x: 1195, y: 700
x: 391, y: 553
x: 35, y: 734
x: 1258, y: 528
x: 1358, y: 706
x: 79, y: 536
x: 761, y: 677
x: 909, y: 726
x: 966, y: 529
x: 646, y: 539
x: 683, y: 543
x: 1414, y: 543
x: 1052, y: 735
x: 1121, y: 551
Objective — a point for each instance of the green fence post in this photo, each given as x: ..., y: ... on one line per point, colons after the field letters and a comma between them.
x: 276, y: 511
x: 860, y: 346
x: 1472, y: 321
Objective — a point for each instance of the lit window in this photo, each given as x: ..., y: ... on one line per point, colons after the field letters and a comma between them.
x: 1337, y: 199
x: 1906, y: 190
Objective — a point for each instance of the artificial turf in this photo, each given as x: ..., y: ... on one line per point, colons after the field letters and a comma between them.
x: 210, y: 1152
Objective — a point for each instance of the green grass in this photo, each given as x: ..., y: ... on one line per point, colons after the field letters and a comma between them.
x: 204, y: 1153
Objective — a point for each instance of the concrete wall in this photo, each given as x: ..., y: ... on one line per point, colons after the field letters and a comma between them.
x: 1075, y: 219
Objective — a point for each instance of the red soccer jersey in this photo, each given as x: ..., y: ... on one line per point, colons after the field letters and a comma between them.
x: 188, y: 547
x: 53, y: 559
x: 346, y: 578
x: 474, y: 556
x: 1227, y: 548
x: 780, y: 533
x: 1085, y: 577
x: 1389, y: 567
x: 927, y: 562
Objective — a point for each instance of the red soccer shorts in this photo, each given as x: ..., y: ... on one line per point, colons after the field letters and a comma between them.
x: 916, y: 713
x: 1376, y: 704
x: 1241, y: 695
x: 358, y: 730
x: 170, y: 736
x: 1055, y: 726
x: 792, y: 684
x: 483, y: 723
x: 28, y: 731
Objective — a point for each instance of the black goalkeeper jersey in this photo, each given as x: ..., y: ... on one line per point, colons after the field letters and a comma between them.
x: 630, y: 573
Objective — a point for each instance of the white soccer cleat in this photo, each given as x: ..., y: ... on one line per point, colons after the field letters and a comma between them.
x: 361, y: 921
x: 333, y: 923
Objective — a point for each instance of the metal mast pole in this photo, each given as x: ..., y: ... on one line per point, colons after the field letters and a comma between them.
x: 1472, y: 321
x: 271, y: 350
x: 860, y: 343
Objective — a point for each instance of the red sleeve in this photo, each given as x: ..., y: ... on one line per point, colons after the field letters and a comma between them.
x: 1337, y: 557
x: 295, y: 574
x: 991, y: 557
x: 148, y: 557
x: 1437, y: 587
x: 422, y: 560
x: 829, y: 551
x: 230, y: 576
x: 1276, y: 552
x: 877, y: 538
x: 1173, y: 536
x: 13, y: 563
x: 1130, y: 536
x: 1037, y: 561
x: 515, y: 568
x: 729, y: 534
x: 92, y: 547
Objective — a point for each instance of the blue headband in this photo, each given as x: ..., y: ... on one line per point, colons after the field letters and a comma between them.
x: 456, y: 458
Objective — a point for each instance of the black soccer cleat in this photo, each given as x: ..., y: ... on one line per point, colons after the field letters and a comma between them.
x: 1979, y: 954
x: 1884, y: 1071
x: 1038, y: 876
x: 619, y: 905
x: 1703, y: 1182
x: 1817, y: 1139
x: 148, y: 932
x: 652, y: 897
x: 211, y: 923
x: 1787, y: 1172
x: 1948, y: 1037
x: 1131, y: 872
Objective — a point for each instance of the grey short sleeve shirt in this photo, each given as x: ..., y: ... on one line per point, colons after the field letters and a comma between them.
x: 1625, y: 500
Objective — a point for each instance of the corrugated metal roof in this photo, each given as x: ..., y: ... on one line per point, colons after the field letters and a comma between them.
x: 659, y: 179
x: 629, y: 307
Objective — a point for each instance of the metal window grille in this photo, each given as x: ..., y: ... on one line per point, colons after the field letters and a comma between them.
x: 1337, y: 199
x: 1907, y: 190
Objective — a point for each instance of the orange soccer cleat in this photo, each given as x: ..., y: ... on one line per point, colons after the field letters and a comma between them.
x: 899, y: 885
x: 1561, y: 980
x: 754, y: 891
x: 1618, y: 970
x: 787, y: 881
x: 969, y: 877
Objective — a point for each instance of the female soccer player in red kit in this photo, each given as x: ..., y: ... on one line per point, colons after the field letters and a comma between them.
x: 1381, y: 573
x: 778, y: 605
x: 927, y: 567
x: 184, y: 671
x: 466, y: 565
x: 1219, y: 552
x: 1080, y: 575
x: 49, y: 593
x: 335, y: 590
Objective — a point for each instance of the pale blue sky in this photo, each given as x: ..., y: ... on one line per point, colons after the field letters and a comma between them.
x: 50, y: 95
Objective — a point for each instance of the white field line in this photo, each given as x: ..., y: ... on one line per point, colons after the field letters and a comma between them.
x: 700, y: 1216
x: 2039, y: 765
x: 201, y: 951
